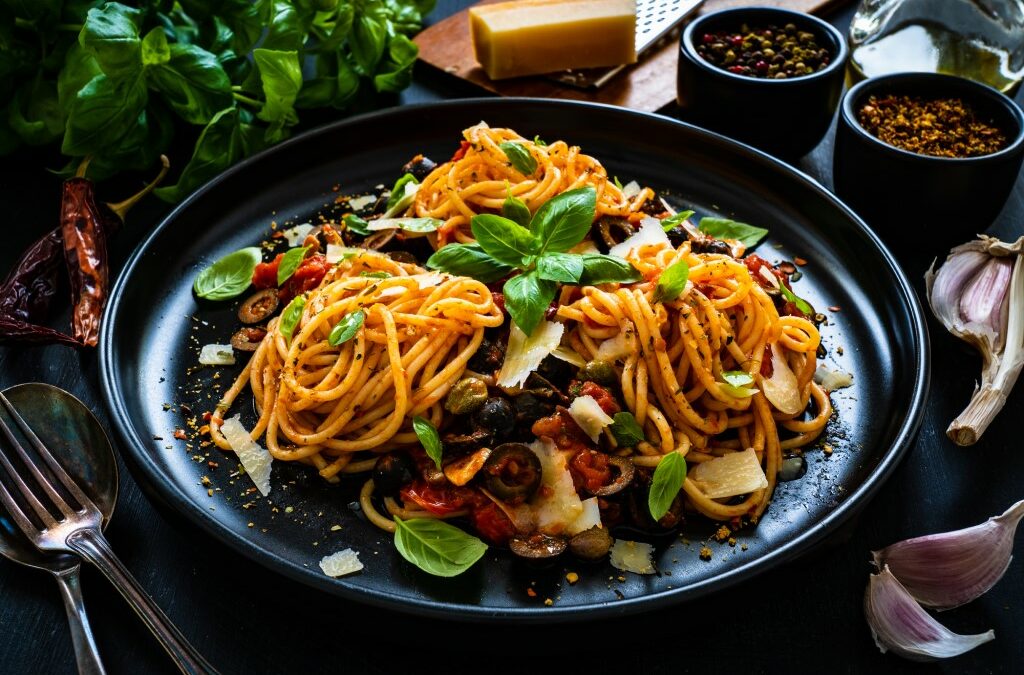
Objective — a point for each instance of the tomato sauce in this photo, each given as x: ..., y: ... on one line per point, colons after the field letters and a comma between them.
x: 589, y: 469
x: 307, y: 276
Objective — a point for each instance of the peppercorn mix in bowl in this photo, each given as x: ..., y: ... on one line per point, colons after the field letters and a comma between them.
x: 765, y: 76
x: 927, y: 159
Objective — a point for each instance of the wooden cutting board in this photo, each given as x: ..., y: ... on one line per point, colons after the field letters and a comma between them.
x: 649, y: 85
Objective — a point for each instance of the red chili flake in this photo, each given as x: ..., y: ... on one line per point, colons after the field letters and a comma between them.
x: 207, y: 416
x: 532, y: 593
x: 180, y: 434
x: 212, y: 464
x: 800, y: 261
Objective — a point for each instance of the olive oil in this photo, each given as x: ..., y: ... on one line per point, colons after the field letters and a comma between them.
x: 928, y: 47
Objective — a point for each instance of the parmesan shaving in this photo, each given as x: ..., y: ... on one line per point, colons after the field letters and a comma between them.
x: 251, y: 454
x: 569, y: 355
x: 631, y: 189
x: 589, y: 415
x: 556, y: 504
x: 619, y: 346
x: 782, y: 388
x: 651, y: 233
x: 524, y: 354
x: 832, y: 379
x: 296, y: 235
x: 736, y: 473
x: 335, y: 254
x: 632, y: 556
x: 360, y: 203
x: 341, y: 563
x: 591, y: 517
x: 217, y: 355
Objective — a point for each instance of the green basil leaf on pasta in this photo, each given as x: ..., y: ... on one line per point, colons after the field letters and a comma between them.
x: 672, y: 282
x: 665, y: 485
x: 800, y: 303
x: 675, y: 220
x: 347, y: 328
x: 599, y: 268
x: 515, y: 209
x: 290, y: 317
x: 436, y: 547
x: 503, y: 239
x: 429, y: 438
x: 527, y: 298
x: 537, y: 140
x: 519, y: 157
x: 290, y: 262
x: 724, y: 228
x: 564, y: 267
x: 468, y: 260
x: 737, y: 378
x: 563, y: 221
x: 398, y: 191
x: 228, y: 277
x: 354, y: 223
x: 626, y: 430
x: 618, y: 183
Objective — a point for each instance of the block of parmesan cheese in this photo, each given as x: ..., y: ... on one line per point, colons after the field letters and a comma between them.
x: 543, y: 36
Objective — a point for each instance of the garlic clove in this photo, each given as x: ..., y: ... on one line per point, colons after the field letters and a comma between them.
x: 898, y: 624
x: 952, y: 568
x: 983, y: 299
x: 945, y: 288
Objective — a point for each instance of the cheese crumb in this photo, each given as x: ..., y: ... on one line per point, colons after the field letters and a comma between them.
x: 341, y: 563
x: 632, y: 556
x: 217, y: 355
x: 705, y: 553
x: 572, y: 577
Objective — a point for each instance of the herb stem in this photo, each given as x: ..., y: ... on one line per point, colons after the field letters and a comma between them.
x: 242, y: 98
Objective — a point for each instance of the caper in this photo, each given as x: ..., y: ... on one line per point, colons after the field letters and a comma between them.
x: 599, y: 372
x: 467, y: 396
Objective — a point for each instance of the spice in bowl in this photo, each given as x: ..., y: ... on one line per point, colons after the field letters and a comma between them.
x: 940, y: 127
x: 772, y: 52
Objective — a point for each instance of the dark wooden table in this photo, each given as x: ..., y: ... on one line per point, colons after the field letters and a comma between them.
x: 804, y: 617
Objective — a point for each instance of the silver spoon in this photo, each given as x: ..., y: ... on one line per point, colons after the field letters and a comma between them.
x: 73, y: 434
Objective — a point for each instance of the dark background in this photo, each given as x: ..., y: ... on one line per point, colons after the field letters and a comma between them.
x: 803, y: 617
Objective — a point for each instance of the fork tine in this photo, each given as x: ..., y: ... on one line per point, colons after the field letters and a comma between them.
x: 23, y: 522
x: 33, y: 501
x: 43, y: 481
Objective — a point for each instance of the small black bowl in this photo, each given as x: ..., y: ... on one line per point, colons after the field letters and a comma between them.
x: 786, y: 118
x: 922, y: 205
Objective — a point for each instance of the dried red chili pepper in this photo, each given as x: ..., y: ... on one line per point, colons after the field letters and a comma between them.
x: 31, y: 284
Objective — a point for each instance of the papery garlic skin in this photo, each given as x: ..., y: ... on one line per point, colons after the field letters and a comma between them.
x: 952, y: 568
x: 978, y: 295
x: 898, y: 624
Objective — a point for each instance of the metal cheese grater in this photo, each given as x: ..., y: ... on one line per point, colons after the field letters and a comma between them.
x: 655, y: 19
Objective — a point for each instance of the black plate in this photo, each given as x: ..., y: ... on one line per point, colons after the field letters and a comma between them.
x: 153, y: 327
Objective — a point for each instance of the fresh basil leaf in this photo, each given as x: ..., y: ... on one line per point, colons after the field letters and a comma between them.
x: 503, y: 239
x: 626, y: 430
x: 396, y: 73
x: 599, y: 268
x: 375, y: 275
x: 563, y: 221
x: 564, y: 267
x: 516, y: 210
x: 537, y: 140
x: 519, y: 157
x: 347, y: 328
x: 724, y: 228
x: 618, y: 183
x: 79, y: 69
x: 284, y: 27
x: 140, y: 149
x: 676, y: 220
x: 281, y: 80
x: 34, y: 112
x: 672, y: 282
x: 398, y: 191
x: 354, y: 223
x: 193, y: 83
x: 290, y: 262
x: 290, y: 317
x: 228, y: 277
x: 665, y: 485
x: 436, y: 547
x: 369, y: 37
x: 527, y: 298
x: 155, y: 50
x: 102, y: 113
x: 111, y: 34
x: 800, y: 303
x: 468, y: 260
x: 737, y: 378
x: 429, y: 438
x: 739, y: 392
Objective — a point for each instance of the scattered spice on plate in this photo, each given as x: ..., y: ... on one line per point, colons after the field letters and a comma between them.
x: 771, y: 52
x: 940, y: 127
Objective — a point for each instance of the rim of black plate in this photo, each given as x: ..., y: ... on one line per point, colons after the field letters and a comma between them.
x: 175, y: 496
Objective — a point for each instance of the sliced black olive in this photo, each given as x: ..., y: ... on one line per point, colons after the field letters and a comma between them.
x: 592, y: 544
x: 488, y: 357
x: 537, y: 546
x: 403, y: 257
x: 258, y: 306
x: 678, y: 235
x: 529, y: 409
x: 459, y: 444
x: 512, y: 472
x: 248, y: 338
x: 379, y: 239
x: 392, y: 472
x: 710, y: 245
x: 497, y: 416
x: 599, y: 372
x: 614, y: 230
x: 467, y: 396
x: 419, y: 166
x: 619, y: 483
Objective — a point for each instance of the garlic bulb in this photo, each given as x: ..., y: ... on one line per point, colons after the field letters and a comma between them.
x: 952, y: 568
x: 978, y: 295
x: 899, y: 624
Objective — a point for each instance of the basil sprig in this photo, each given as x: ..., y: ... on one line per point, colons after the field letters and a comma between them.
x: 672, y: 282
x: 228, y: 277
x: 800, y: 303
x: 436, y: 547
x: 519, y: 157
x: 675, y: 220
x: 290, y: 316
x: 429, y: 438
x: 347, y: 328
x: 356, y: 225
x: 724, y: 228
x: 626, y: 430
x: 538, y: 249
x: 666, y: 483
x: 290, y: 262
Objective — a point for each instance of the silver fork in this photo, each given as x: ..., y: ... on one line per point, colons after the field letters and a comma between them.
x: 78, y: 531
